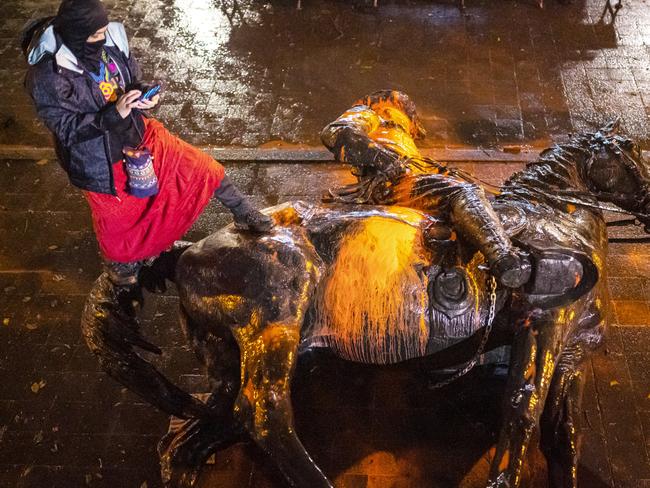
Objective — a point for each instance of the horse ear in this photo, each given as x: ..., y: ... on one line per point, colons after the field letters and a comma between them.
x: 612, y: 127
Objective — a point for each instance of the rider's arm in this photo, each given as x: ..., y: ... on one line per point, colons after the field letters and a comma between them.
x: 348, y: 139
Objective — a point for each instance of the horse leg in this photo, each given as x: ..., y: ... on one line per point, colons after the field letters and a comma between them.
x: 264, y: 404
x: 111, y: 330
x: 184, y: 452
x: 536, y: 347
x: 259, y: 290
x: 558, y: 424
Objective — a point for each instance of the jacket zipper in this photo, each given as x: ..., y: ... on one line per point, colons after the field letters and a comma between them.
x: 107, y: 150
x: 107, y: 142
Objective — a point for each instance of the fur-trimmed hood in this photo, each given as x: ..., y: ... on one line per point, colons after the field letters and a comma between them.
x: 45, y: 42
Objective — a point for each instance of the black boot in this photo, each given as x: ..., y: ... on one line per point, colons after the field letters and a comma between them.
x: 123, y: 274
x: 127, y: 289
x: 475, y: 219
x: 246, y: 216
x: 512, y: 270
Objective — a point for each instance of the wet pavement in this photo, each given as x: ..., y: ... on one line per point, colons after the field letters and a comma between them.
x: 249, y: 73
x: 65, y: 424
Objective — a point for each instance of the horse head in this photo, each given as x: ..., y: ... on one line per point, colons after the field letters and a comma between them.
x: 616, y: 172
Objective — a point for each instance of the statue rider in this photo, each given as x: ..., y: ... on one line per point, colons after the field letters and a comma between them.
x: 377, y: 136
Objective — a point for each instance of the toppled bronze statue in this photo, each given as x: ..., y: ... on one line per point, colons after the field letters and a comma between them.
x: 379, y: 275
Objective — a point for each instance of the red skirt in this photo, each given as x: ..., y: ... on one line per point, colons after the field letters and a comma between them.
x: 130, y: 228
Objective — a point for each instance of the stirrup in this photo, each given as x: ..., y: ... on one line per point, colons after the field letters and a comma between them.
x: 560, y: 276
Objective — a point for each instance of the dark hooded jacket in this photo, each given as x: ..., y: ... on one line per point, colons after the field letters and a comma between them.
x: 74, y: 110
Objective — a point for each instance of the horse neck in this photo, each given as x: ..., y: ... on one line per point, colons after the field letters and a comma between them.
x: 557, y: 173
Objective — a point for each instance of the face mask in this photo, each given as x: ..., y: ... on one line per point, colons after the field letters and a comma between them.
x: 92, y: 54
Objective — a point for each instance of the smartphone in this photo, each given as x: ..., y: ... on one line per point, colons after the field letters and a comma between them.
x: 150, y: 93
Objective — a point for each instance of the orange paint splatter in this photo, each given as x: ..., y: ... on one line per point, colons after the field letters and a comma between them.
x: 505, y: 461
x: 374, y: 294
x: 530, y: 371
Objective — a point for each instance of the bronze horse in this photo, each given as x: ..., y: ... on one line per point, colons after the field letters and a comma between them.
x: 384, y: 284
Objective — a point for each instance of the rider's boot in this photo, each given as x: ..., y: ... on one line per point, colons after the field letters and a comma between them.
x: 123, y: 274
x: 246, y: 216
x: 475, y: 219
x: 124, y: 278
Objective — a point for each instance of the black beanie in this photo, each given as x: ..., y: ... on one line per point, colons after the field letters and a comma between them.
x: 77, y: 20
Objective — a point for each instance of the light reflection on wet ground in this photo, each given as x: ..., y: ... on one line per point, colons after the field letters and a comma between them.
x: 250, y: 72
x: 365, y: 427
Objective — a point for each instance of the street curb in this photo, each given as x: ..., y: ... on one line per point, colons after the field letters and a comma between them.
x: 319, y: 154
x: 293, y: 155
x: 308, y: 154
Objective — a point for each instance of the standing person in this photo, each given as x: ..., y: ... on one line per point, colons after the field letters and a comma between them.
x: 145, y: 187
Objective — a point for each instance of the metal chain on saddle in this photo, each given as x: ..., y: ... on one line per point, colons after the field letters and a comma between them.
x: 488, y: 328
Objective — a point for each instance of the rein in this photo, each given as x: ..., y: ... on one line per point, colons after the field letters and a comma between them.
x: 597, y: 205
x: 560, y: 195
x: 602, y: 206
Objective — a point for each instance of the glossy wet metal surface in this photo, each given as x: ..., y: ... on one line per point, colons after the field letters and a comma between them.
x: 67, y: 423
x: 243, y: 72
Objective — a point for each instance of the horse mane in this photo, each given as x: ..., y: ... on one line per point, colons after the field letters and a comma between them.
x: 556, y: 177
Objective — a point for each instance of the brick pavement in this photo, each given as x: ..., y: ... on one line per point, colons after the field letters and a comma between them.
x: 242, y: 72
x: 64, y: 424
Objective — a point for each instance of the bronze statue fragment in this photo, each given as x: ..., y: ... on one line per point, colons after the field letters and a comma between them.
x: 397, y: 267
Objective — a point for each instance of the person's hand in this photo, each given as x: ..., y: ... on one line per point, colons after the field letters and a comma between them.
x: 127, y: 102
x: 148, y: 104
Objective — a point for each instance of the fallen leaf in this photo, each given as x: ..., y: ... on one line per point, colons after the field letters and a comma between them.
x: 36, y: 387
x: 31, y: 326
x: 41, y: 162
x: 614, y: 383
x: 58, y: 277
x: 6, y: 321
x: 53, y: 247
x: 26, y: 299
